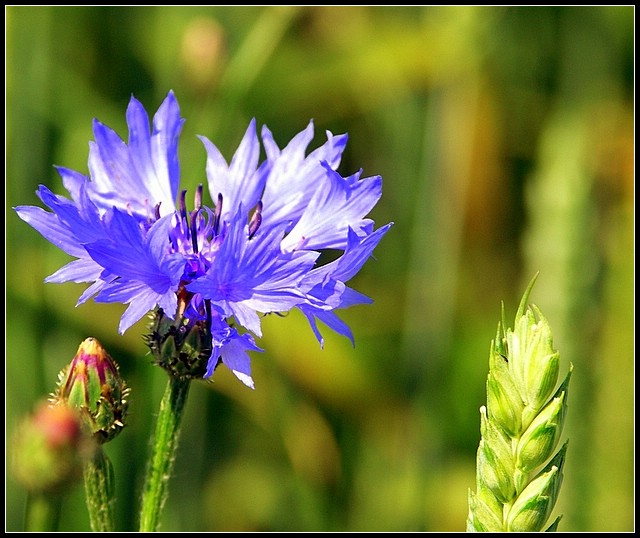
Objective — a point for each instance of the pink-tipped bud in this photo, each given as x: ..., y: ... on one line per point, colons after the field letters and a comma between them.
x: 92, y: 384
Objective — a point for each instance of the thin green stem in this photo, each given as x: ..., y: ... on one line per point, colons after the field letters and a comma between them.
x: 42, y: 512
x: 99, y: 485
x: 165, y: 444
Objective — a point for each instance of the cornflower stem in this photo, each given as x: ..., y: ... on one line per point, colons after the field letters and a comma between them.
x: 42, y: 512
x: 164, y: 447
x: 99, y: 487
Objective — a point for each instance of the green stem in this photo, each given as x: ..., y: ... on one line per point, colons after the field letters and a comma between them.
x: 165, y: 445
x: 99, y: 485
x: 42, y: 512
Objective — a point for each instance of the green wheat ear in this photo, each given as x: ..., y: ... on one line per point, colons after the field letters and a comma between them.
x: 518, y: 476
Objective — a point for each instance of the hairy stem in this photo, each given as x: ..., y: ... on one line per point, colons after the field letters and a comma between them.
x: 99, y: 486
x: 165, y: 444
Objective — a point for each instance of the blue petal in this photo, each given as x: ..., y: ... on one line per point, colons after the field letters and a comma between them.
x: 327, y: 291
x: 294, y: 177
x: 95, y: 288
x: 141, y: 299
x: 147, y: 277
x: 330, y: 319
x: 73, y: 181
x: 132, y: 256
x: 337, y: 205
x: 51, y: 228
x: 234, y: 356
x: 358, y: 251
x: 82, y: 270
x: 242, y: 182
x: 231, y: 347
x: 143, y: 174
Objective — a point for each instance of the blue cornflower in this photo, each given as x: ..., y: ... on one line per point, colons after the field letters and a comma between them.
x: 255, y: 251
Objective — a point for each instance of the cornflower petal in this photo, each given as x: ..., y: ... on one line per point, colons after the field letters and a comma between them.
x: 139, y: 176
x: 230, y: 347
x: 327, y: 289
x: 330, y: 319
x: 337, y: 205
x: 50, y: 227
x: 234, y: 356
x: 80, y: 270
x: 96, y: 287
x: 241, y: 183
x: 146, y: 277
x: 67, y: 227
x: 358, y: 251
x: 73, y: 181
x: 134, y: 256
x: 295, y: 176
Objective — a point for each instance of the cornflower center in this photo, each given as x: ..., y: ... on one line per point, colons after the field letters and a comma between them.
x: 197, y: 236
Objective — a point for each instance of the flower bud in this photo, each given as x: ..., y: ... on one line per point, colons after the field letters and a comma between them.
x: 181, y: 347
x: 92, y: 384
x: 49, y: 447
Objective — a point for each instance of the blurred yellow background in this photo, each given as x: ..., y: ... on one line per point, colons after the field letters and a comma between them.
x: 505, y: 139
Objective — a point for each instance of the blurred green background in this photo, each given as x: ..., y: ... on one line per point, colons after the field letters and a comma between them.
x: 505, y: 139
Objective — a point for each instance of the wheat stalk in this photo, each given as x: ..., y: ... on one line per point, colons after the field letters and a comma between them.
x: 518, y: 476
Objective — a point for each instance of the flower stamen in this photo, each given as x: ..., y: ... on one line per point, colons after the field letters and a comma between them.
x: 216, y: 215
x: 194, y: 215
x: 256, y: 220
